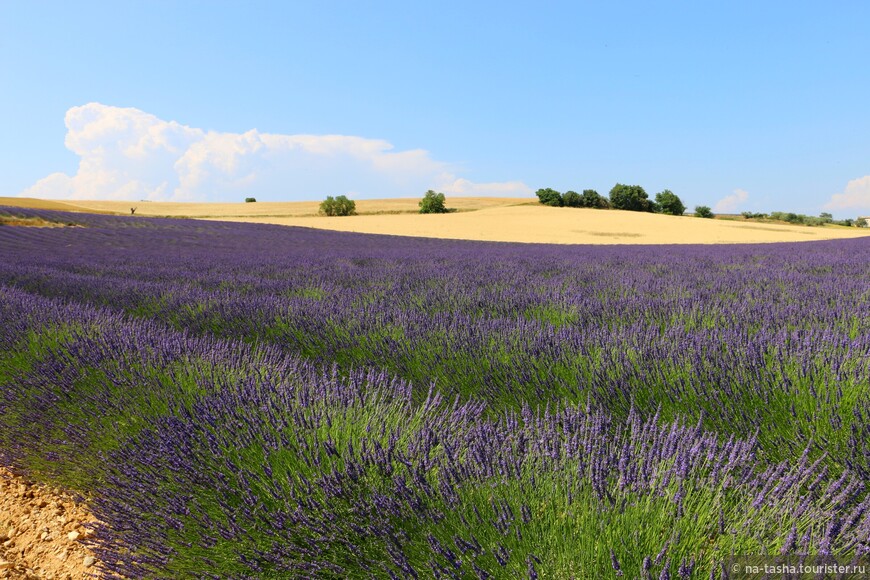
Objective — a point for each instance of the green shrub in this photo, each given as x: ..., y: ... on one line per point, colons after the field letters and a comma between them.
x: 630, y: 197
x: 549, y: 197
x: 250, y: 199
x: 801, y: 219
x: 433, y: 202
x: 790, y: 217
x: 589, y: 198
x: 572, y: 199
x: 592, y: 198
x: 668, y: 202
x: 338, y: 206
x: 703, y: 211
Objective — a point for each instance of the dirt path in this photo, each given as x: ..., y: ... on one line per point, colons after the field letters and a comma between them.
x: 41, y: 532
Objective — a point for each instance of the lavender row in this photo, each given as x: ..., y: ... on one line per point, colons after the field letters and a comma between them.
x: 768, y: 338
x: 228, y: 459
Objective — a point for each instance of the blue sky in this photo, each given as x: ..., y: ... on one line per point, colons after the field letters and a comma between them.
x: 756, y: 106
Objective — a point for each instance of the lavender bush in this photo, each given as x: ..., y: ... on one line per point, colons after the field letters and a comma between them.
x: 263, y: 401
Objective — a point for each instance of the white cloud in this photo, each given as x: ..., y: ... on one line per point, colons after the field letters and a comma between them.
x: 731, y: 202
x: 856, y: 195
x: 126, y: 153
x: 464, y: 187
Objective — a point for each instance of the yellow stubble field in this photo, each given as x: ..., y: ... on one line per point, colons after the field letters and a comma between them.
x: 481, y: 218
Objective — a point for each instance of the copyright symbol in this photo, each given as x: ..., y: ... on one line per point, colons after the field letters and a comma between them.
x: 735, y: 568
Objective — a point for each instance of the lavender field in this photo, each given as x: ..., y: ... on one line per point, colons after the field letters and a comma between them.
x: 244, y: 400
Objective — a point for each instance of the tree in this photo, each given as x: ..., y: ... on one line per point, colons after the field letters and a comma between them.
x: 572, y: 199
x: 703, y: 211
x: 345, y: 206
x: 250, y: 199
x: 861, y: 222
x: 669, y: 203
x: 592, y: 198
x: 432, y: 203
x: 549, y: 197
x: 630, y: 197
x: 338, y: 206
x: 328, y: 206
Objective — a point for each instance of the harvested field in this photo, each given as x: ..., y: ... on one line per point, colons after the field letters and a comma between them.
x: 539, y: 224
x: 480, y: 218
x: 259, y: 209
x: 477, y: 218
x: 33, y: 203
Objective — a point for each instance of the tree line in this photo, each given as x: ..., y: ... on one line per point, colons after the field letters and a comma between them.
x: 621, y: 196
x: 627, y: 197
x: 634, y: 198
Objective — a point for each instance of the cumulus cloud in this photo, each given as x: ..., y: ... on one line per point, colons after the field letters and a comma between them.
x: 856, y: 195
x: 129, y: 154
x: 731, y: 202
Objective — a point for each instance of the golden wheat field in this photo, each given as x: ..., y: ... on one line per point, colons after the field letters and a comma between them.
x: 480, y: 218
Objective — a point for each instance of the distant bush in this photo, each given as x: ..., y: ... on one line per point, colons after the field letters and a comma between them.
x: 338, y: 206
x: 549, y: 197
x: 801, y: 219
x: 250, y: 199
x: 703, y: 211
x: 630, y: 197
x: 589, y: 198
x: 592, y: 198
x: 572, y: 199
x: 669, y: 203
x: 433, y: 202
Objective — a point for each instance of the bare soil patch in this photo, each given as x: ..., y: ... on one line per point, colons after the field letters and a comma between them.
x: 42, y: 531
